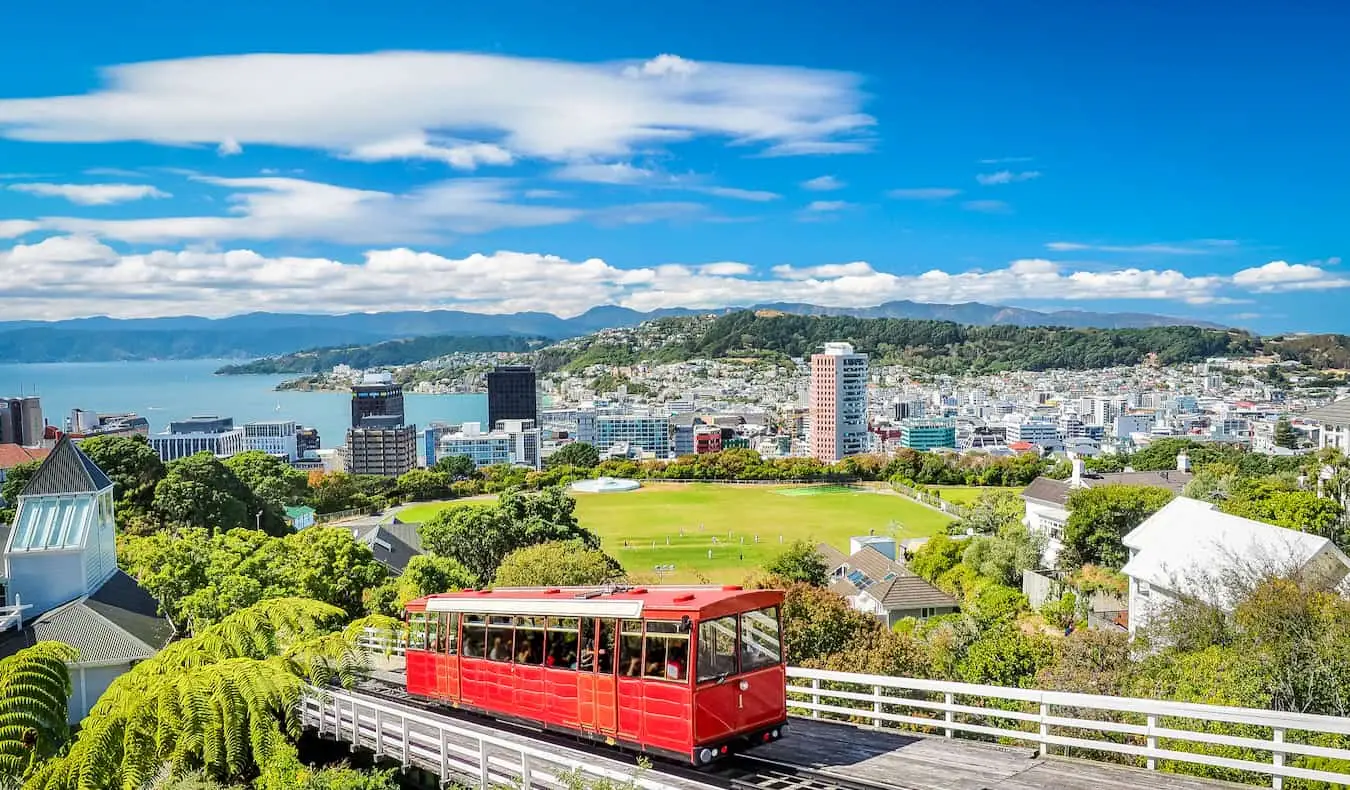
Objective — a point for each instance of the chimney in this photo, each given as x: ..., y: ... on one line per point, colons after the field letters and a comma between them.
x: 1183, y: 462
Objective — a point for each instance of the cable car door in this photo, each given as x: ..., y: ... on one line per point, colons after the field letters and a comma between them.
x: 596, y: 697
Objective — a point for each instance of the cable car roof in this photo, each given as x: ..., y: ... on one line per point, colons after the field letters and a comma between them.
x: 593, y: 601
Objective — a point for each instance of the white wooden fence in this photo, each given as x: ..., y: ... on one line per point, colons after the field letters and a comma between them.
x: 1146, y: 732
x: 455, y: 752
x: 1138, y: 729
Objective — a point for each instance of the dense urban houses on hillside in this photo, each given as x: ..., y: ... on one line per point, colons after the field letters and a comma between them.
x: 838, y: 399
x: 61, y: 581
x: 1189, y: 549
x: 1335, y: 421
x: 1047, y: 499
x: 512, y: 394
x: 872, y: 581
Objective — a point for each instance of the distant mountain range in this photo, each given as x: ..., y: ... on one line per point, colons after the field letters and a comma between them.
x: 265, y: 334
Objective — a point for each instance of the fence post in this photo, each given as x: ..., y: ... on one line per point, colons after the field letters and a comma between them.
x: 1152, y: 762
x: 950, y: 715
x: 445, y: 757
x: 815, y: 698
x: 379, y: 733
x: 407, y: 743
x: 484, y: 777
x: 525, y: 774
x: 1045, y: 728
x: 1277, y: 781
x: 876, y: 706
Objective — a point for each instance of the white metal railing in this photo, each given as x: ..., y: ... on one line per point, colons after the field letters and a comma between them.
x: 453, y: 751
x: 380, y: 642
x: 1142, y: 729
x: 12, y: 616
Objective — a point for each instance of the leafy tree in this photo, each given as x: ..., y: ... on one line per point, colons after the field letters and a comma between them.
x: 200, y: 491
x: 1090, y: 661
x: 1274, y: 502
x: 1062, y: 613
x: 133, y: 466
x: 817, y: 623
x: 799, y: 562
x: 1003, y: 556
x: 457, y: 467
x: 936, y: 556
x: 16, y: 479
x: 34, y: 687
x: 422, y: 485
x: 991, y: 512
x: 1285, y: 435
x: 556, y: 564
x: 271, y: 479
x: 578, y: 454
x: 1100, y: 517
x: 480, y: 536
x: 1005, y: 656
x: 424, y: 574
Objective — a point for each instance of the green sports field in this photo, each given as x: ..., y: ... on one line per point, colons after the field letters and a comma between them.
x: 742, y: 526
x: 965, y: 495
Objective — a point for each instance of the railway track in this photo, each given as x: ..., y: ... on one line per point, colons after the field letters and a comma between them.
x: 738, y: 772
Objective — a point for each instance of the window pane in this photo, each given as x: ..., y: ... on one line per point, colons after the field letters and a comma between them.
x: 630, y: 649
x: 475, y: 636
x: 716, y: 648
x: 450, y: 633
x: 605, y: 656
x: 417, y: 631
x: 499, y: 639
x: 562, y: 643
x: 760, y: 643
x: 667, y: 651
x: 530, y: 640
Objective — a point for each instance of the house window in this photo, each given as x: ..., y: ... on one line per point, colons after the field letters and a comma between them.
x: 1144, y: 590
x: 927, y: 612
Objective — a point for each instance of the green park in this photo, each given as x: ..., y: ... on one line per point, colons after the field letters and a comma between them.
x: 720, y: 533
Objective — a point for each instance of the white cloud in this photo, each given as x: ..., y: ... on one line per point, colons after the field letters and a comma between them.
x: 923, y: 193
x: 458, y: 154
x: 1006, y: 177
x: 13, y: 228
x: 70, y: 275
x: 92, y: 194
x: 828, y: 205
x: 644, y: 213
x: 1005, y: 160
x: 754, y: 195
x: 229, y: 147
x: 1200, y: 247
x: 382, y: 102
x: 605, y: 173
x: 1283, y: 276
x: 823, y: 184
x: 987, y: 206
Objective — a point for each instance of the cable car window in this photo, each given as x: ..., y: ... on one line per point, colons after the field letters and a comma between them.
x: 417, y: 631
x: 450, y: 633
x: 499, y: 638
x: 630, y: 649
x: 667, y: 651
x: 530, y: 641
x: 761, y: 645
x: 562, y: 643
x: 586, y: 653
x: 716, y: 648
x: 475, y: 636
x: 435, y: 632
x: 605, y: 658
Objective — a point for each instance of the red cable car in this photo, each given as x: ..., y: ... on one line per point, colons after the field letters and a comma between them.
x: 685, y: 672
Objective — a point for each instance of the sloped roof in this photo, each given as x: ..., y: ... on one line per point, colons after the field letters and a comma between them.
x: 908, y: 591
x: 393, y: 544
x: 120, y: 622
x: 831, y: 556
x: 11, y: 455
x: 1187, y: 542
x: 1056, y: 492
x: 67, y: 470
x: 1336, y: 413
x: 873, y: 563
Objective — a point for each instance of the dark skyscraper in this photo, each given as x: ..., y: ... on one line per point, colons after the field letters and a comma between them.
x: 511, y: 394
x: 21, y: 421
x: 376, y: 396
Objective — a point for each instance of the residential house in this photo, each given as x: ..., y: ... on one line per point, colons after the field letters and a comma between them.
x: 1187, y: 548
x: 300, y: 517
x: 872, y: 581
x: 61, y: 581
x: 11, y: 455
x: 1046, y: 499
x: 393, y: 544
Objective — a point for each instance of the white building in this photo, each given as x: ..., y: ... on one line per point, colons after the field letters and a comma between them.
x: 1186, y: 548
x: 514, y: 442
x: 1128, y: 424
x: 171, y: 446
x: 275, y: 437
x: 1335, y: 420
x: 1039, y: 432
x: 642, y: 433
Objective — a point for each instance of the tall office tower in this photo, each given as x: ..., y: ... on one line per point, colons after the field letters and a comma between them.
x: 376, y: 396
x: 838, y: 402
x: 512, y: 394
x: 21, y: 421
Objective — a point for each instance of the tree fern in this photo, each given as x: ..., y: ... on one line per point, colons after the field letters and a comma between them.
x: 34, y: 690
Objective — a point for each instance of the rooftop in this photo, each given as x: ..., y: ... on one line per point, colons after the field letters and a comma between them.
x: 67, y: 470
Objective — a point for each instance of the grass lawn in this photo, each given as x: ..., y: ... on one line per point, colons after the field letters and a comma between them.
x: 965, y: 495
x: 679, y: 524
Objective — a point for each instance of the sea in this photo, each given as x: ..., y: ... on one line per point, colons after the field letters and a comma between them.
x: 162, y: 391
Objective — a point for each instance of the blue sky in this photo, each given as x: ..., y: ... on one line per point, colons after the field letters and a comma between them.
x: 552, y: 156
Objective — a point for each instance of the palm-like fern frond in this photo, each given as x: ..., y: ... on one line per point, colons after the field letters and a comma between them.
x: 34, y: 689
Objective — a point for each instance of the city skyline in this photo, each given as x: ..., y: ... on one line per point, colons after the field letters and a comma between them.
x: 406, y: 158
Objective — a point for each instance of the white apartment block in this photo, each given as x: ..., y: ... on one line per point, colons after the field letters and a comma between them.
x: 275, y: 437
x: 172, y: 446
